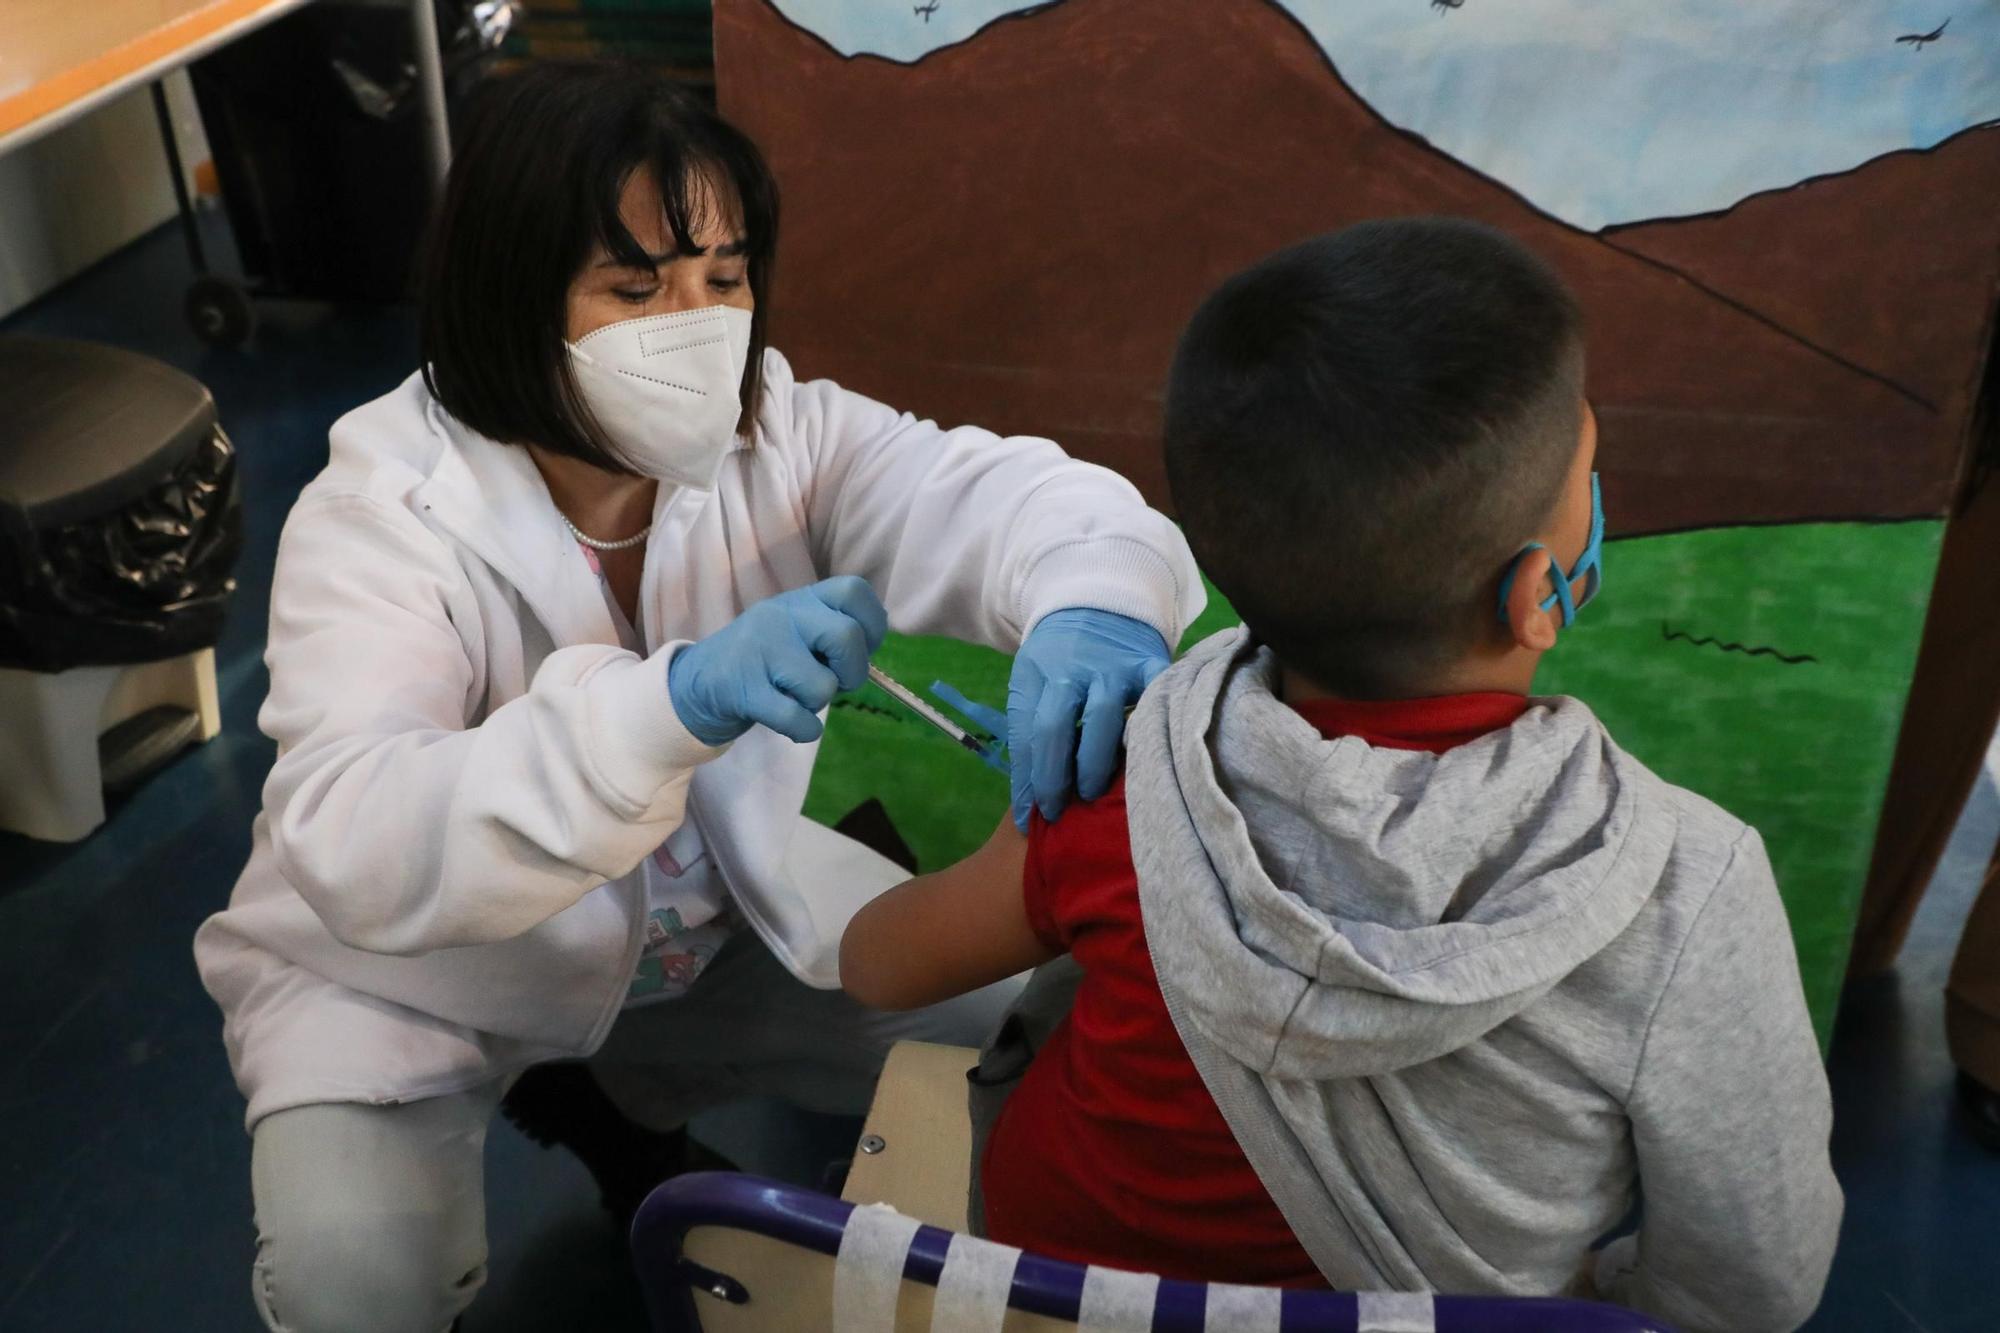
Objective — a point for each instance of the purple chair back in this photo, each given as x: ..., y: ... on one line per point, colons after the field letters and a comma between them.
x: 1041, y: 1285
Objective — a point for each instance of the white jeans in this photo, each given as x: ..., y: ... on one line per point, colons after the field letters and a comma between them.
x: 372, y: 1219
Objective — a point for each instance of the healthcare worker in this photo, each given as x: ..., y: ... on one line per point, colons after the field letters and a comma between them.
x: 550, y: 641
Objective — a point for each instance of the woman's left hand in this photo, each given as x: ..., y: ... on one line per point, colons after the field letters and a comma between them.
x: 1077, y: 666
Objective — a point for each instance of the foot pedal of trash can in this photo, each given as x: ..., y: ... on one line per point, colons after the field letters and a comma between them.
x: 53, y: 767
x: 135, y: 747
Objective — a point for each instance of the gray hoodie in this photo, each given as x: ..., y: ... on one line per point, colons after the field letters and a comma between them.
x: 1463, y: 1010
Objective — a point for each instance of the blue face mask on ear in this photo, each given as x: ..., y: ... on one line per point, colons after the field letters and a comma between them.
x: 1588, y: 570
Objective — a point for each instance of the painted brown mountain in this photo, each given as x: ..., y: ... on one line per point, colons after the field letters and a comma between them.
x: 1013, y: 230
x: 1881, y: 265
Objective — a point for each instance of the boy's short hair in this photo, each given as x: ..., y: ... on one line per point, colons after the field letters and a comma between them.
x: 1362, y: 430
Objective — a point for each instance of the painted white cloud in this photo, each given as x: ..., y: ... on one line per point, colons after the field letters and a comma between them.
x: 898, y: 29
x: 1603, y: 111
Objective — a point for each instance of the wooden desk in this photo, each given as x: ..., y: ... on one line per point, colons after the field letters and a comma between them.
x: 61, y: 58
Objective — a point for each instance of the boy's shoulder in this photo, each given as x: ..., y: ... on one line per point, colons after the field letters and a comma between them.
x: 1712, y: 923
x: 1708, y: 849
x: 1715, y: 868
x: 1091, y: 839
x: 1705, y: 836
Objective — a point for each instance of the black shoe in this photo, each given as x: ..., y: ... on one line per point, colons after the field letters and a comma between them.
x: 1981, y: 1105
x: 562, y: 1104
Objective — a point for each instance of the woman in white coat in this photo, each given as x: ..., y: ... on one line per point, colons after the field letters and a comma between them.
x: 550, y: 638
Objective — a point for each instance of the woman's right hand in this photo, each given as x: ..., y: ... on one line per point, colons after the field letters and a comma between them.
x: 779, y: 663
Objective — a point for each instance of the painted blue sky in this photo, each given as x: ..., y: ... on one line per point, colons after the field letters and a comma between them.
x: 1604, y: 111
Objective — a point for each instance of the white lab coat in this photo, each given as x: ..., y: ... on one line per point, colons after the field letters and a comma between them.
x: 441, y: 887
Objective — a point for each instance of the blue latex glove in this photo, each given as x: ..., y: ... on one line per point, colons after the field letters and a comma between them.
x: 1077, y: 665
x: 779, y: 663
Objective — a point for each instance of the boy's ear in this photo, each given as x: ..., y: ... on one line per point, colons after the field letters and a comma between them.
x: 1531, y: 627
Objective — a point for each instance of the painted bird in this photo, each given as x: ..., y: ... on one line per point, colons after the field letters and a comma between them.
x: 1919, y: 40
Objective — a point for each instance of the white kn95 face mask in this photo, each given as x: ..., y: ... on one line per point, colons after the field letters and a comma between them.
x: 666, y: 389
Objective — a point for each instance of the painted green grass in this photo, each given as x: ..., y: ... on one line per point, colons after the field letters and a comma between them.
x: 1801, y: 750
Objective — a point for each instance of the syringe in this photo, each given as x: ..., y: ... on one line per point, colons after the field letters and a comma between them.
x: 911, y: 700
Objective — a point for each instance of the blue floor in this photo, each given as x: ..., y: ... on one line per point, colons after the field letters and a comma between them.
x: 124, y: 1201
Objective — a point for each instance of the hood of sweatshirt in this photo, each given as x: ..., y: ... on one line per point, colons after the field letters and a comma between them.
x: 1325, y: 909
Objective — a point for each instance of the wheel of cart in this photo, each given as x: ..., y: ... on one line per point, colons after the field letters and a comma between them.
x: 218, y: 309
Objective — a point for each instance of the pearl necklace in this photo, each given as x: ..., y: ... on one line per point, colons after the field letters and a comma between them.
x: 596, y: 545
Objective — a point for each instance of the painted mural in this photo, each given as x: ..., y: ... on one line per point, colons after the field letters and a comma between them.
x: 1780, y: 220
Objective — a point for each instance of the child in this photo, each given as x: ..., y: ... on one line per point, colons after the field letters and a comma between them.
x: 1393, y: 977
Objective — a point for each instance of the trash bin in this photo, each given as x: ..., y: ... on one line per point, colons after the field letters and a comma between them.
x: 120, y: 525
x: 315, y: 123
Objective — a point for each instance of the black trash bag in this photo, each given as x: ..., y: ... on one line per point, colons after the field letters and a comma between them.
x: 147, y: 581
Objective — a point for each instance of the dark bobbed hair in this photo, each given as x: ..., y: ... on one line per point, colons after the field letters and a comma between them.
x: 1362, y: 430
x: 542, y: 158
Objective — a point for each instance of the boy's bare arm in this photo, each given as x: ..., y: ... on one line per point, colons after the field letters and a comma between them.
x: 945, y: 933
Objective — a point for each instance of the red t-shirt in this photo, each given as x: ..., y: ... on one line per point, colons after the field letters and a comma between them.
x: 1111, y: 1150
